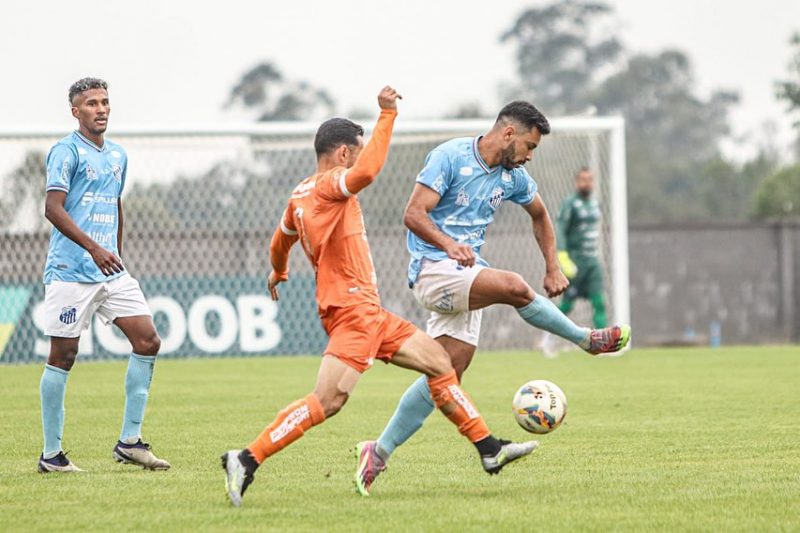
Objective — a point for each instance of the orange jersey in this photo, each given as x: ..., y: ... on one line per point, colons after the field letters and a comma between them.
x: 324, y: 214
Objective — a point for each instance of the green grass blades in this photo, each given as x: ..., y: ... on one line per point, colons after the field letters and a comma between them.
x: 657, y: 440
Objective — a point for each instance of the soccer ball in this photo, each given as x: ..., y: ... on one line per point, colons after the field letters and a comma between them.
x: 539, y: 406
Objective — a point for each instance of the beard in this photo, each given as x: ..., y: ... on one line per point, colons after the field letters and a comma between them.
x: 507, y: 159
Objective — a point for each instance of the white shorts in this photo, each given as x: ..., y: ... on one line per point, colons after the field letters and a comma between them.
x: 69, y: 306
x: 443, y: 288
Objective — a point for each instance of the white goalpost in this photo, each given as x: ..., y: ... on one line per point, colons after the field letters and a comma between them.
x: 201, y: 203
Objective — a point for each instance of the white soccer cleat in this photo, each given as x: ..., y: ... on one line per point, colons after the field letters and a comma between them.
x: 59, y: 463
x: 509, y: 452
x: 237, y: 478
x: 139, y: 454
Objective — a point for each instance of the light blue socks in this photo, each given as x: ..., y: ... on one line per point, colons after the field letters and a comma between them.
x: 137, y: 387
x: 414, y: 407
x: 543, y: 314
x: 52, y: 389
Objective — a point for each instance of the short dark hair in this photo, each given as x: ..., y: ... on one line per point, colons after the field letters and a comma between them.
x: 335, y: 132
x: 524, y: 113
x: 85, y: 84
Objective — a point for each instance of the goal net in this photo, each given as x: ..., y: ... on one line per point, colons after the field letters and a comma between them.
x: 201, y: 205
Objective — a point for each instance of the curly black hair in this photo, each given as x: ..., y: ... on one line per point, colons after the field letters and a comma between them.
x: 84, y: 85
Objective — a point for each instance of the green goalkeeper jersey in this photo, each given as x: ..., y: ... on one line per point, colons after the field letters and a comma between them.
x: 579, y: 227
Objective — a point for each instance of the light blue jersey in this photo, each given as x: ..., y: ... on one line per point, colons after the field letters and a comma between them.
x: 93, y: 179
x: 470, y: 194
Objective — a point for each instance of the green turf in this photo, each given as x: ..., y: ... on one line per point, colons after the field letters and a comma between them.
x: 670, y: 440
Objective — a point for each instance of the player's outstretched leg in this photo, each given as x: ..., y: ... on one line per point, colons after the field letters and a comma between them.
x: 52, y: 389
x: 335, y: 381
x: 130, y: 449
x: 440, y: 388
x: 493, y: 286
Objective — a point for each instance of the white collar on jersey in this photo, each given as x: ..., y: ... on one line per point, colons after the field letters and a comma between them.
x: 90, y: 143
x: 486, y: 168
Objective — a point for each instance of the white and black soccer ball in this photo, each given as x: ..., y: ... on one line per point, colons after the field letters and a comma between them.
x: 539, y: 406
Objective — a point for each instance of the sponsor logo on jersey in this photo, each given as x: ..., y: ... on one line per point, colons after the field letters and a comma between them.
x: 102, y: 218
x: 506, y: 176
x: 82, y: 151
x: 68, y: 315
x: 465, y: 171
x: 116, y: 170
x: 103, y: 239
x: 116, y: 154
x: 90, y: 197
x: 438, y: 184
x: 91, y: 173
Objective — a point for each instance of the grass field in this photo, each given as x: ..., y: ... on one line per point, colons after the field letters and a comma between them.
x: 689, y: 439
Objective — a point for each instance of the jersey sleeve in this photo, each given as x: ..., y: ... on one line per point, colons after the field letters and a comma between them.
x: 61, y: 166
x: 524, y: 188
x: 124, y: 173
x: 282, y: 241
x: 436, y: 174
x: 332, y: 186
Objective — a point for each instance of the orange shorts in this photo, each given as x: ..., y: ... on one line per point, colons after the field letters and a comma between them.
x: 363, y: 333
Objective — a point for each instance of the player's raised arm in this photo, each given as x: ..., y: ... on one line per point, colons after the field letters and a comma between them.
x: 371, y: 160
x: 282, y: 241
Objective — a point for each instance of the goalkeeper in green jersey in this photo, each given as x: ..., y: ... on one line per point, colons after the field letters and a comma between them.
x: 578, y: 230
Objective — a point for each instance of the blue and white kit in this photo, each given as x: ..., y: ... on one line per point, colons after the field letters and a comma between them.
x: 470, y: 193
x: 93, y: 179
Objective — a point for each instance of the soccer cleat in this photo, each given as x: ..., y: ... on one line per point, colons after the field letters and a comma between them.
x: 609, y: 340
x: 237, y: 478
x: 370, y: 465
x: 509, y: 451
x: 59, y: 463
x: 138, y: 454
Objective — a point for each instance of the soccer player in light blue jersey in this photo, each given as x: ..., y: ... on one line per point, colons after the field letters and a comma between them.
x: 455, y: 198
x: 84, y: 274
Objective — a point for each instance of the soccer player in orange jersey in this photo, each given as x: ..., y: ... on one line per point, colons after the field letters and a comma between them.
x: 325, y: 216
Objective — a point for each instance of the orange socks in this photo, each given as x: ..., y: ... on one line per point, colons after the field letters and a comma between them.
x: 457, y: 406
x: 290, y: 424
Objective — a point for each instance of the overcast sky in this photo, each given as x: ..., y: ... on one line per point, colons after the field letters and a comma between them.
x: 173, y: 62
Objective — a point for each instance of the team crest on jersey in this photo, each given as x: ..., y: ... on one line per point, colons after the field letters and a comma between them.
x: 116, y: 170
x: 497, y: 197
x: 68, y: 315
x: 91, y: 173
x: 463, y: 198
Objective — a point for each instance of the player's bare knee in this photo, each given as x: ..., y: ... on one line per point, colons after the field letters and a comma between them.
x: 148, y: 345
x: 63, y: 352
x: 519, y: 292
x: 439, y: 361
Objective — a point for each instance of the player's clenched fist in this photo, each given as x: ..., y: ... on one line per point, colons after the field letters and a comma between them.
x: 387, y: 98
x: 462, y: 253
